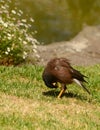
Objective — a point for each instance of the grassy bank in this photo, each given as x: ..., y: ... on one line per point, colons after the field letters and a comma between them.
x: 26, y: 104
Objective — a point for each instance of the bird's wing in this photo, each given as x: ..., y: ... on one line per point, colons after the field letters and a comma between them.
x: 77, y: 75
x: 81, y: 85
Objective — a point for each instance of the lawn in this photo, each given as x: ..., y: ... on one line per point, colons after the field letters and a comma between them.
x: 27, y: 104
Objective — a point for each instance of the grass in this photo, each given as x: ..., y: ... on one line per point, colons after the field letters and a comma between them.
x: 27, y: 104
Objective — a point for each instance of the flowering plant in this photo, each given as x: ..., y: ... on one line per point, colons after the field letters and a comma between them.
x: 16, y: 42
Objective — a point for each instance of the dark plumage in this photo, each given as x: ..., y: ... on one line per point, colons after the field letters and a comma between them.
x: 60, y: 70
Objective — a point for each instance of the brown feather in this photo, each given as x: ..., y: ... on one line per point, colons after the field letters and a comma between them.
x: 60, y: 70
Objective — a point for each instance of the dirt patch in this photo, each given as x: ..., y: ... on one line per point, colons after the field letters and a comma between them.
x: 84, y: 49
x: 13, y: 103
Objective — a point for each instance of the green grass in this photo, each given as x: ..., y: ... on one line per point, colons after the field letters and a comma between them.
x: 27, y: 104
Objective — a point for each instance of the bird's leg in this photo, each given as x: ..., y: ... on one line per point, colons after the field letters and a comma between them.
x: 63, y: 89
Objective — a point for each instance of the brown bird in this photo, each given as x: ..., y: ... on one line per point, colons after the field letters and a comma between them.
x: 59, y: 70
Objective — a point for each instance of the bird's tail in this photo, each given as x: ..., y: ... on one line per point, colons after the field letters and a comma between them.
x: 81, y: 85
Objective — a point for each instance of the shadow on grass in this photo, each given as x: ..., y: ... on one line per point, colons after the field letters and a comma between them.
x: 54, y: 93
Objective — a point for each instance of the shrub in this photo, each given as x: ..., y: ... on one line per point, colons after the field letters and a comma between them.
x: 16, y: 41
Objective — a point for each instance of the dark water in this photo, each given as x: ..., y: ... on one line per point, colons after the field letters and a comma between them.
x: 59, y: 20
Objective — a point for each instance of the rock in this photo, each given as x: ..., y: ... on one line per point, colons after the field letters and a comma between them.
x: 84, y: 49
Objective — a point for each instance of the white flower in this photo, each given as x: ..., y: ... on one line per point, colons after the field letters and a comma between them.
x: 13, y: 11
x: 20, y: 24
x: 24, y: 20
x: 11, y: 24
x: 34, y: 42
x: 20, y: 39
x: 1, y: 21
x: 5, y: 25
x: 34, y: 50
x: 24, y: 54
x: 24, y: 57
x: 29, y: 39
x: 8, y: 49
x: 24, y: 42
x: 3, y: 7
x: 18, y: 14
x: 20, y: 11
x: 6, y: 53
x: 35, y: 46
x: 31, y: 19
x: 9, y: 36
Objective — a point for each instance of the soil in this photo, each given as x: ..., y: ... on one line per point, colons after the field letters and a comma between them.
x: 84, y: 49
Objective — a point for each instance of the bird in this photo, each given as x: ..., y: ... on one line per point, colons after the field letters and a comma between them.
x: 59, y: 70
